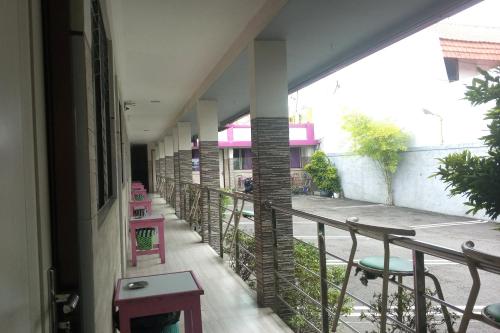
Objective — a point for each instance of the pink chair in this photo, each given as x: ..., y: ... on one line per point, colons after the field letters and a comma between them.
x: 137, y: 186
x: 138, y: 192
x: 153, y: 221
x: 144, y: 204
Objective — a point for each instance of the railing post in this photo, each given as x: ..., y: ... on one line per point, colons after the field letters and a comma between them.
x: 221, y: 237
x: 275, y: 259
x: 323, y: 276
x: 183, y: 208
x: 237, y: 252
x: 209, y: 217
x: 419, y: 286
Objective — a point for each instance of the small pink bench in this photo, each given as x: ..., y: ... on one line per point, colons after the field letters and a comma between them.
x: 137, y: 186
x: 153, y: 221
x: 142, y: 191
x: 179, y: 291
x: 144, y: 204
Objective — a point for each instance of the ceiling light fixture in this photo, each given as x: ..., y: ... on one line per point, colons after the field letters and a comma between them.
x: 155, y: 101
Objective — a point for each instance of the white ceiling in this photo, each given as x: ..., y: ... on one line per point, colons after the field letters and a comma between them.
x: 164, y: 49
x: 176, y: 51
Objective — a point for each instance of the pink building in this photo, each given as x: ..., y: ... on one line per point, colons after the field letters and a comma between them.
x: 235, y: 153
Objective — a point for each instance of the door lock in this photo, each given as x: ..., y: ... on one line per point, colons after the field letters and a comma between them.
x: 69, y: 302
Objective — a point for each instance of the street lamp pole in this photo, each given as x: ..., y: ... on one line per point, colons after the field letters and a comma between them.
x: 440, y: 122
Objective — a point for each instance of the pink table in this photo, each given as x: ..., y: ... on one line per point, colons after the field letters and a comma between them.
x: 143, y: 192
x: 152, y: 221
x: 137, y: 186
x: 144, y: 204
x: 179, y: 291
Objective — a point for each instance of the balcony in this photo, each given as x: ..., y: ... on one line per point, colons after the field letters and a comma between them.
x: 228, y: 305
x: 228, y: 297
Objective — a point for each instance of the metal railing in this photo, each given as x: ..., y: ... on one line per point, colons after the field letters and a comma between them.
x: 238, y: 245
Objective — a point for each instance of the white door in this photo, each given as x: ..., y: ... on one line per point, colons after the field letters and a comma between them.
x: 24, y: 208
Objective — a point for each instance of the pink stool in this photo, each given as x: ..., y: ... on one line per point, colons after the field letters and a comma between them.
x: 179, y: 291
x: 153, y: 221
x: 143, y: 192
x: 144, y: 204
x: 137, y: 186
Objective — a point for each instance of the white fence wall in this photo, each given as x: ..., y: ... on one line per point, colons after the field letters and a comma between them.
x: 413, y: 186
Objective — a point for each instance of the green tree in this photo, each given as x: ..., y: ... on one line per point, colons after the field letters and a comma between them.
x: 478, y: 177
x: 380, y: 141
x: 323, y: 173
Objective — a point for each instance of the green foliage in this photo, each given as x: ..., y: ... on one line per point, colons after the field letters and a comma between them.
x: 323, y: 173
x: 307, y: 272
x: 380, y: 141
x: 434, y: 313
x: 225, y: 200
x: 478, y: 177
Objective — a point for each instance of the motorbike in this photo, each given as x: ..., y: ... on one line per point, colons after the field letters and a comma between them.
x: 248, y: 185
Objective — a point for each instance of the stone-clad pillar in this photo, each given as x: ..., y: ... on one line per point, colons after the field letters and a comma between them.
x: 209, y: 169
x: 185, y: 160
x: 157, y: 163
x: 177, y: 192
x: 169, y: 156
x: 271, y: 163
x: 161, y: 153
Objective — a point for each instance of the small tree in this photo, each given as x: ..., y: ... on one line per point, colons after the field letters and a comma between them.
x: 380, y: 141
x: 478, y: 177
x: 323, y: 173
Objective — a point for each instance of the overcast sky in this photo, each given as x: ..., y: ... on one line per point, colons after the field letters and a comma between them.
x: 484, y: 13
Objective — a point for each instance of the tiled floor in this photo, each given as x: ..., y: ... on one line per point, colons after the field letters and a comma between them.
x: 228, y: 304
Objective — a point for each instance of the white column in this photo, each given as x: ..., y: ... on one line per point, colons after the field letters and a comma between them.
x: 271, y: 164
x: 169, y: 156
x: 176, y: 198
x: 185, y: 157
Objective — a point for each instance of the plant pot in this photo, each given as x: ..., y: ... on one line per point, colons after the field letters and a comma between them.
x: 323, y: 193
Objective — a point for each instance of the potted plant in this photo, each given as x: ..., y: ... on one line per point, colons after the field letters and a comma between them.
x: 324, y: 174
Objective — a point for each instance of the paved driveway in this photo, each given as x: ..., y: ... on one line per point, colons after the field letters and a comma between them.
x: 444, y: 230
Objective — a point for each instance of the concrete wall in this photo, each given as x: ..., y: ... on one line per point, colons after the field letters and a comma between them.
x: 103, y: 231
x: 413, y: 188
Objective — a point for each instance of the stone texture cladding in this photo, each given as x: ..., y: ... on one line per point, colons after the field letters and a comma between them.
x: 209, y: 176
x: 271, y: 174
x: 169, y: 167
x: 186, y: 175
x: 177, y: 183
x: 162, y: 167
x: 157, y: 170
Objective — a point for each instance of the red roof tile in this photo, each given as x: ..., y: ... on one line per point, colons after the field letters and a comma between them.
x: 464, y: 49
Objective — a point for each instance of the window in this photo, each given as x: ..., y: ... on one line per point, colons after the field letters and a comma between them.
x: 451, y: 69
x: 120, y: 111
x: 242, y: 159
x: 102, y: 107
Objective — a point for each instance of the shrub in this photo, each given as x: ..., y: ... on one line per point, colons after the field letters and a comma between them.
x: 380, y: 141
x: 307, y: 271
x: 434, y: 313
x: 478, y: 177
x: 323, y: 173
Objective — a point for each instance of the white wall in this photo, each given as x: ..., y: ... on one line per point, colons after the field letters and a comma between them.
x: 25, y: 236
x: 413, y: 187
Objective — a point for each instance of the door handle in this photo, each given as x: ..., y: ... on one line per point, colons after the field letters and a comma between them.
x: 68, y: 301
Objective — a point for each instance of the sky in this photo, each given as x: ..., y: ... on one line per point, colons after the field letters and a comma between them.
x: 485, y: 13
